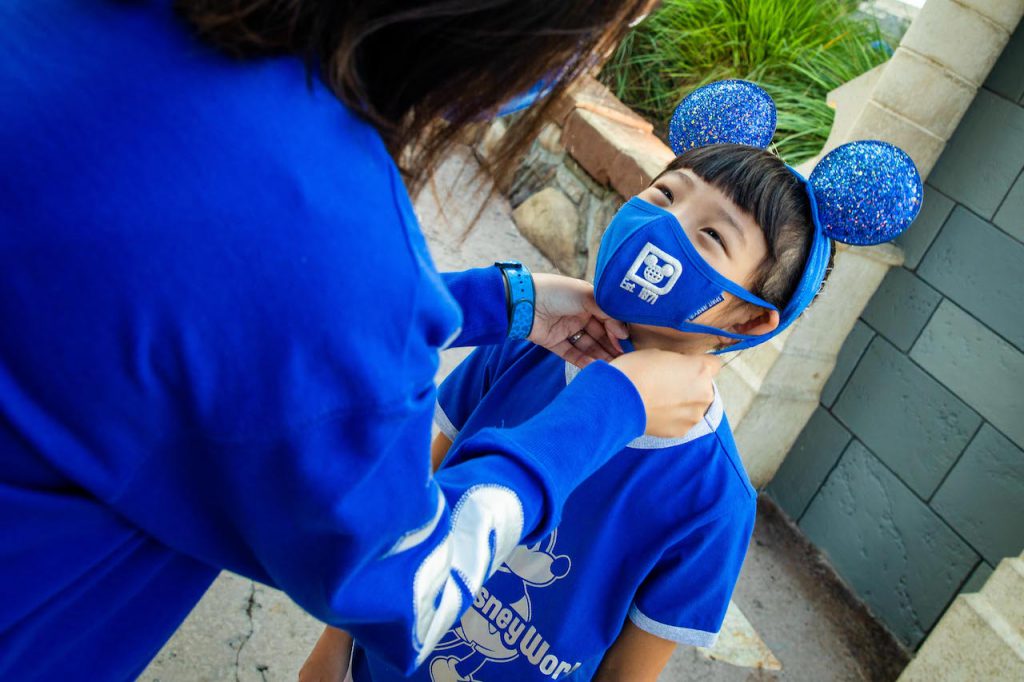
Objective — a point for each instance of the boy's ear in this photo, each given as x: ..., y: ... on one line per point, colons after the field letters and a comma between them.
x: 762, y: 322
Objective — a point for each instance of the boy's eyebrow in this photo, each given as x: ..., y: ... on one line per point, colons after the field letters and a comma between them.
x: 723, y: 215
x: 728, y: 219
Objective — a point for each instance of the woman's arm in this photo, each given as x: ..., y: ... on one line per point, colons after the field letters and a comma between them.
x: 329, y: 659
x: 563, y: 306
x: 636, y: 656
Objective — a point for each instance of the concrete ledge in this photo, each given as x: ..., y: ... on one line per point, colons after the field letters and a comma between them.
x: 971, y: 642
x: 924, y: 92
x: 943, y: 30
x: 1005, y: 590
x: 880, y: 123
x: 1005, y: 13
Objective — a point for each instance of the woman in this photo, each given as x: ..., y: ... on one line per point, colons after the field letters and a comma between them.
x: 221, y: 323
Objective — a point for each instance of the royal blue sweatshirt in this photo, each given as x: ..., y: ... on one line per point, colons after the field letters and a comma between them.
x: 219, y: 327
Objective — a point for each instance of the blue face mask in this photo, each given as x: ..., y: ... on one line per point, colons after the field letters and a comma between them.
x: 648, y: 272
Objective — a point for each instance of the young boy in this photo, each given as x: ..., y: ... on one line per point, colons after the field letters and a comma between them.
x: 725, y: 249
x: 648, y: 550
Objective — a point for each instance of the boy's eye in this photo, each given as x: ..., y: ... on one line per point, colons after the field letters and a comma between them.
x: 711, y: 232
x: 666, y: 191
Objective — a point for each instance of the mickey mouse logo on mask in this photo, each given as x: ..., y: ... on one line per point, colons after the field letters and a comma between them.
x: 656, y: 271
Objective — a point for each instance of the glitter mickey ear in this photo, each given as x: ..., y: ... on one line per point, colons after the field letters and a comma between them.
x: 866, y: 192
x: 732, y: 111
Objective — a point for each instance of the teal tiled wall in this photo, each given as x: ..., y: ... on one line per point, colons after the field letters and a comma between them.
x: 910, y: 475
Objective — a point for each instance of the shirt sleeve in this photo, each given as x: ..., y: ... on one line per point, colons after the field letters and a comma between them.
x: 464, y: 388
x: 344, y: 515
x: 480, y: 293
x: 686, y: 595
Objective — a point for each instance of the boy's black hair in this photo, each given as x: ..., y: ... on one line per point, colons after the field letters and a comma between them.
x: 760, y: 184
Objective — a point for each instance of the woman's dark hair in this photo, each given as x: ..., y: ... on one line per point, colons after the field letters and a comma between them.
x: 422, y: 71
x: 760, y: 184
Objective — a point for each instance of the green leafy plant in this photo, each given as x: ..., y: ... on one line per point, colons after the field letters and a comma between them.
x: 798, y: 50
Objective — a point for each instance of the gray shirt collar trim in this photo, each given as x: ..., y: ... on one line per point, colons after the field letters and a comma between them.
x: 710, y: 423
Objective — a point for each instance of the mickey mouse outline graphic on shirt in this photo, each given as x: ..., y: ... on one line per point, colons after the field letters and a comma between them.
x: 476, y: 641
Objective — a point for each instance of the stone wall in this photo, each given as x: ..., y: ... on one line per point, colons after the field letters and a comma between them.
x: 592, y: 155
x: 910, y: 473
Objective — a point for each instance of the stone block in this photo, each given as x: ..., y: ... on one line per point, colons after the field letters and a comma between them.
x: 908, y: 419
x: 935, y: 208
x: 849, y: 355
x: 984, y: 495
x: 901, y: 307
x: 971, y: 643
x: 848, y: 100
x: 1005, y: 590
x: 856, y: 275
x: 570, y: 184
x: 810, y: 459
x: 1010, y: 216
x: 979, y: 366
x: 976, y: 580
x: 980, y: 268
x: 894, y: 551
x: 550, y: 138
x: 931, y: 96
x: 587, y: 88
x: 1007, y: 76
x: 621, y: 156
x: 878, y: 123
x: 767, y: 432
x: 550, y: 222
x: 957, y: 37
x: 984, y: 156
x: 1006, y: 13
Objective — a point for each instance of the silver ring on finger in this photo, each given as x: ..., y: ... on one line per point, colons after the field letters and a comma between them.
x: 577, y: 336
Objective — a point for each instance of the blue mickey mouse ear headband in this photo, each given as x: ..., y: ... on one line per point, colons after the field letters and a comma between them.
x: 861, y: 193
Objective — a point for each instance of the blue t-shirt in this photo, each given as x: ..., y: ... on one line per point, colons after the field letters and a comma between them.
x: 219, y: 331
x: 657, y: 535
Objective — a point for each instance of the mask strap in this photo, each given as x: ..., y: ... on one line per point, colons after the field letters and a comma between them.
x: 706, y: 329
x: 724, y: 283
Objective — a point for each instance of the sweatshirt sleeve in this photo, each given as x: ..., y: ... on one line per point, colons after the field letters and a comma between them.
x: 480, y: 293
x: 344, y: 515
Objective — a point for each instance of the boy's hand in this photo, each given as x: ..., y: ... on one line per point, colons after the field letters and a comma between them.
x: 676, y: 389
x: 565, y: 307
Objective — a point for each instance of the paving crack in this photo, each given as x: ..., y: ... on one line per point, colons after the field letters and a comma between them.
x: 249, y: 606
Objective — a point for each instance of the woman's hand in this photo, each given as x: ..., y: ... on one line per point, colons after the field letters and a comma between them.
x: 676, y: 389
x: 564, y: 307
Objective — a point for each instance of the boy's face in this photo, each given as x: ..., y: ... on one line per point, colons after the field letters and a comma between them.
x: 729, y: 239
x: 726, y: 237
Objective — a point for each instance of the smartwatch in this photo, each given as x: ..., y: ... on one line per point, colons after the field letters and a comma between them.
x: 519, y: 298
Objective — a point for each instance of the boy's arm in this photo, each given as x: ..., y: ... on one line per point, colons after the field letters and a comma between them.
x: 636, y: 656
x: 438, y: 450
x: 329, y: 659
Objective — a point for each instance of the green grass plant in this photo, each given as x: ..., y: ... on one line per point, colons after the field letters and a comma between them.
x: 798, y: 50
